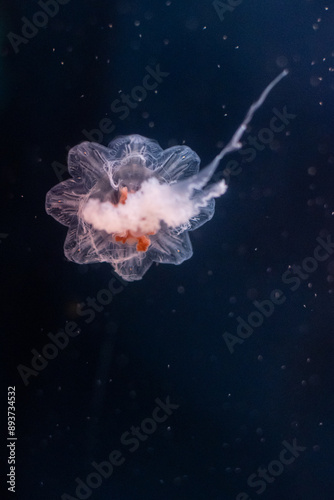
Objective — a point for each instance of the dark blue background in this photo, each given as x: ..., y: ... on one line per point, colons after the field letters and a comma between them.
x: 162, y: 336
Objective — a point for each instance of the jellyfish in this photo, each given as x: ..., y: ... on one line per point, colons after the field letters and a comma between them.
x: 132, y: 203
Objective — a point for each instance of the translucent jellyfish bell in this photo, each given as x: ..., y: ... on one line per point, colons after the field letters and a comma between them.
x: 131, y: 204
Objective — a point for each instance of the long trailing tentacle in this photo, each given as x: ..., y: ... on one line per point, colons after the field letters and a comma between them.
x: 200, y: 180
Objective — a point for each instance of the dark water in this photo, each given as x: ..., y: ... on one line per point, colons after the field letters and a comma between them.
x: 238, y: 339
